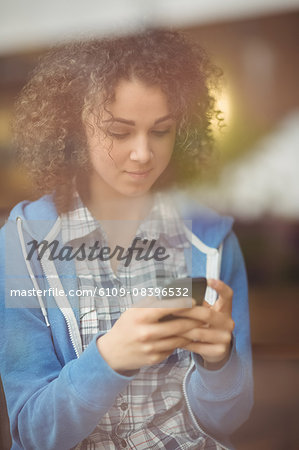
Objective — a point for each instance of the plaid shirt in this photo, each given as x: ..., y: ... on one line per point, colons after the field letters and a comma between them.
x: 151, y: 413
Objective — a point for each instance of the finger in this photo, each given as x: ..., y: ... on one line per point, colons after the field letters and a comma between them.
x: 225, y: 293
x: 208, y: 317
x: 209, y: 336
x: 161, y: 330
x: 199, y: 313
x: 165, y: 345
x: 206, y: 304
x: 210, y: 352
x: 156, y: 358
x: 190, y: 314
x: 156, y: 309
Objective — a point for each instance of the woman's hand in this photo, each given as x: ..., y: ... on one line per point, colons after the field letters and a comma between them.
x: 212, y: 336
x: 138, y: 338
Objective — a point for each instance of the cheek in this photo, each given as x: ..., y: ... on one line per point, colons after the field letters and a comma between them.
x: 102, y: 154
x: 168, y: 150
x: 102, y: 163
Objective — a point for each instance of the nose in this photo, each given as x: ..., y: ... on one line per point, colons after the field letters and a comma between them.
x: 141, y: 151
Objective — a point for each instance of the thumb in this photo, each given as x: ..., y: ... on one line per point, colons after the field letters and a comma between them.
x: 225, y: 295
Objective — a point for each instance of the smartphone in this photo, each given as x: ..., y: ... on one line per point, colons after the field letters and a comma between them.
x: 185, y: 287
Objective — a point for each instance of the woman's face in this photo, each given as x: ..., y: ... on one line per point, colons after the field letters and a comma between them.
x: 134, y: 143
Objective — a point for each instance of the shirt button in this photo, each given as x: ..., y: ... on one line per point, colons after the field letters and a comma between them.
x: 124, y: 406
x: 123, y: 443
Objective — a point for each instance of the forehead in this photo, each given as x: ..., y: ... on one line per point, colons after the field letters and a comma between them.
x: 133, y: 99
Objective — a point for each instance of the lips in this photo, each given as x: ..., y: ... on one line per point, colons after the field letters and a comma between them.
x: 138, y: 173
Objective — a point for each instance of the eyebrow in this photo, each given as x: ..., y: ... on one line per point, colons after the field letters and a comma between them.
x: 132, y: 123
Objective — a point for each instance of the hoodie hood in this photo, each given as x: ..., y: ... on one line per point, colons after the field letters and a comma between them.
x: 206, y: 224
x: 38, y: 217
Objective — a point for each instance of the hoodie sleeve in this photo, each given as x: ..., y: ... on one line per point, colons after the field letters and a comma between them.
x: 50, y: 405
x: 222, y: 399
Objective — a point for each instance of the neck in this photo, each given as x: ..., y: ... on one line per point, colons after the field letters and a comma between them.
x: 107, y: 204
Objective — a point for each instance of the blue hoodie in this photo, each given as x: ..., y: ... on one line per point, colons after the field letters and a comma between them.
x: 56, y: 394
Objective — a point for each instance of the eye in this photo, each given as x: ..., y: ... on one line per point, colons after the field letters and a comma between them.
x: 161, y: 133
x: 117, y: 135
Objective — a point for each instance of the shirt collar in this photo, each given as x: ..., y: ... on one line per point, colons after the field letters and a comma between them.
x: 162, y: 222
x: 78, y: 222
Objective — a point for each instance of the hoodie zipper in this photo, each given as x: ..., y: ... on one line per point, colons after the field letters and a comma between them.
x: 221, y: 446
x: 64, y: 315
x: 50, y: 236
x: 32, y: 277
x: 40, y: 300
x: 67, y: 312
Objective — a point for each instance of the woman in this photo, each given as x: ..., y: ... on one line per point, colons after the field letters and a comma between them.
x: 104, y: 126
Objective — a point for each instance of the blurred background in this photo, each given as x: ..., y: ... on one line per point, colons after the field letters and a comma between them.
x: 256, y: 179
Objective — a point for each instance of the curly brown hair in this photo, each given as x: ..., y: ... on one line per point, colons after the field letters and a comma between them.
x: 65, y: 87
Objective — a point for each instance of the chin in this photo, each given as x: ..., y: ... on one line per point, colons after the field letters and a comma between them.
x: 137, y: 191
